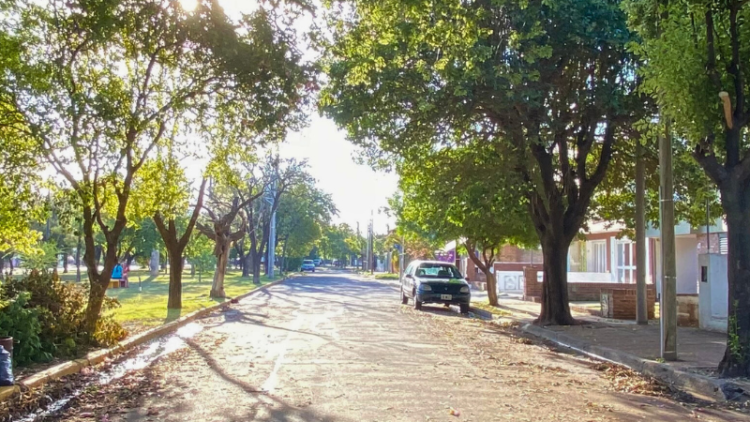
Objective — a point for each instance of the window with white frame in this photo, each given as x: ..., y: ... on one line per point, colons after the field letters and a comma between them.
x: 596, y: 256
x: 625, y: 261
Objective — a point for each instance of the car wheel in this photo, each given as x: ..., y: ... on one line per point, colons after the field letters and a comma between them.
x: 464, y: 308
x: 417, y: 304
x: 404, y: 299
x: 313, y: 270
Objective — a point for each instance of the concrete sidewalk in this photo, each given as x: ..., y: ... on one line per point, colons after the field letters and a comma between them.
x: 638, y: 346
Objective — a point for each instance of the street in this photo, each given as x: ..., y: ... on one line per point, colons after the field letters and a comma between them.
x: 334, y: 347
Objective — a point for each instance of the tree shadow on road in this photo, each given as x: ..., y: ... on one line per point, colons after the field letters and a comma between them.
x: 277, y: 409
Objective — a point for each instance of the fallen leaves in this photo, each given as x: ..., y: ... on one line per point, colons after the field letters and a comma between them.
x: 626, y: 380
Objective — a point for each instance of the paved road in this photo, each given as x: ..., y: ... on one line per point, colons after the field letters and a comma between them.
x: 333, y: 347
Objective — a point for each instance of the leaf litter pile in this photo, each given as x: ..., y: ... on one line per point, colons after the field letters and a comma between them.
x: 626, y: 380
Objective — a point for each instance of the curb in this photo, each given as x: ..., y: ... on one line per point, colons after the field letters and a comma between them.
x: 698, y: 385
x: 99, y: 356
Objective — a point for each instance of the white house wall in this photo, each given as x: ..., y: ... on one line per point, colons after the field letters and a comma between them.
x: 686, y: 253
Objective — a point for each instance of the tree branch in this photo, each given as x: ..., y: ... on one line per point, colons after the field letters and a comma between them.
x: 193, y: 218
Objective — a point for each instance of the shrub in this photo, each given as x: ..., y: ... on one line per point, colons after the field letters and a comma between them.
x: 292, y: 264
x: 59, y: 309
x: 386, y: 276
x: 22, y: 323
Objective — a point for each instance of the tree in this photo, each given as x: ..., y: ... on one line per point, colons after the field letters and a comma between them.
x: 163, y: 182
x: 338, y: 242
x: 463, y: 193
x: 551, y: 82
x: 223, y: 208
x: 417, y: 242
x: 695, y: 67
x: 97, y: 89
x: 615, y: 200
x: 302, y: 214
x: 279, y: 176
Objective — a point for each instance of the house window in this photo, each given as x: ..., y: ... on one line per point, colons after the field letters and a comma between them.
x: 575, y: 257
x: 625, y: 261
x: 596, y: 256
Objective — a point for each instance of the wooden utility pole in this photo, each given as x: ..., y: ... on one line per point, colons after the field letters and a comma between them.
x: 668, y: 308
x: 640, y: 236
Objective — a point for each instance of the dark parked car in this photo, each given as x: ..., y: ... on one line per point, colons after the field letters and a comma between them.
x: 435, y: 282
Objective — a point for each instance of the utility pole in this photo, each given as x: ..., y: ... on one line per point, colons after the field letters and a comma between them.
x: 372, y: 244
x: 271, y: 199
x: 668, y: 308
x: 361, y: 250
x: 640, y: 236
x: 401, y: 258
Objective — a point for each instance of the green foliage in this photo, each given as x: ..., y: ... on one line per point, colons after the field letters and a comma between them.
x: 466, y: 192
x: 386, y: 276
x: 734, y: 344
x: 679, y: 70
x: 58, y: 311
x: 200, y: 253
x: 43, y: 257
x: 22, y: 323
x: 615, y: 201
x: 303, y: 212
x: 293, y: 263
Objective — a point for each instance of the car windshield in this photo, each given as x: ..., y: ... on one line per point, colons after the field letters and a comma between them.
x: 307, y: 261
x: 434, y: 270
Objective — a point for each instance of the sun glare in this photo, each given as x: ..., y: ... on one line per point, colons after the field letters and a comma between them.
x: 188, y: 5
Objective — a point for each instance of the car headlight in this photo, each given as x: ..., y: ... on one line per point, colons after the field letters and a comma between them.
x: 425, y: 287
x: 465, y: 289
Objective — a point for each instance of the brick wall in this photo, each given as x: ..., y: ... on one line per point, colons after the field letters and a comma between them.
x: 588, y: 292
x: 509, y: 253
x: 531, y: 287
x: 621, y: 303
x: 714, y: 240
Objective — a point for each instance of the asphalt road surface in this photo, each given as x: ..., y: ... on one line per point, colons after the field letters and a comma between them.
x: 335, y: 347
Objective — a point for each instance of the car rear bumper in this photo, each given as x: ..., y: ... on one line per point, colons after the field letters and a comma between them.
x: 307, y: 269
x: 429, y: 297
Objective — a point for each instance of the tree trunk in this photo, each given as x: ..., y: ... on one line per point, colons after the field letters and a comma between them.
x: 2, y: 267
x: 154, y: 263
x: 10, y: 264
x: 283, y: 257
x: 65, y: 263
x: 247, y: 264
x: 175, y: 276
x: 192, y: 270
x: 78, y: 259
x: 555, y: 306
x: 98, y: 281
x: 217, y: 288
x: 256, y: 271
x: 491, y: 287
x: 736, y: 203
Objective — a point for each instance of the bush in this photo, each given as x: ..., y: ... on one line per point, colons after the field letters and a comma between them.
x: 292, y: 264
x: 386, y: 276
x: 59, y: 311
x: 19, y: 321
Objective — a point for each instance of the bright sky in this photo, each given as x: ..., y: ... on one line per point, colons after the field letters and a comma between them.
x: 357, y: 190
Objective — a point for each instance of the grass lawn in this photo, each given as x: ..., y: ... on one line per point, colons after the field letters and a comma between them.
x: 148, y: 308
